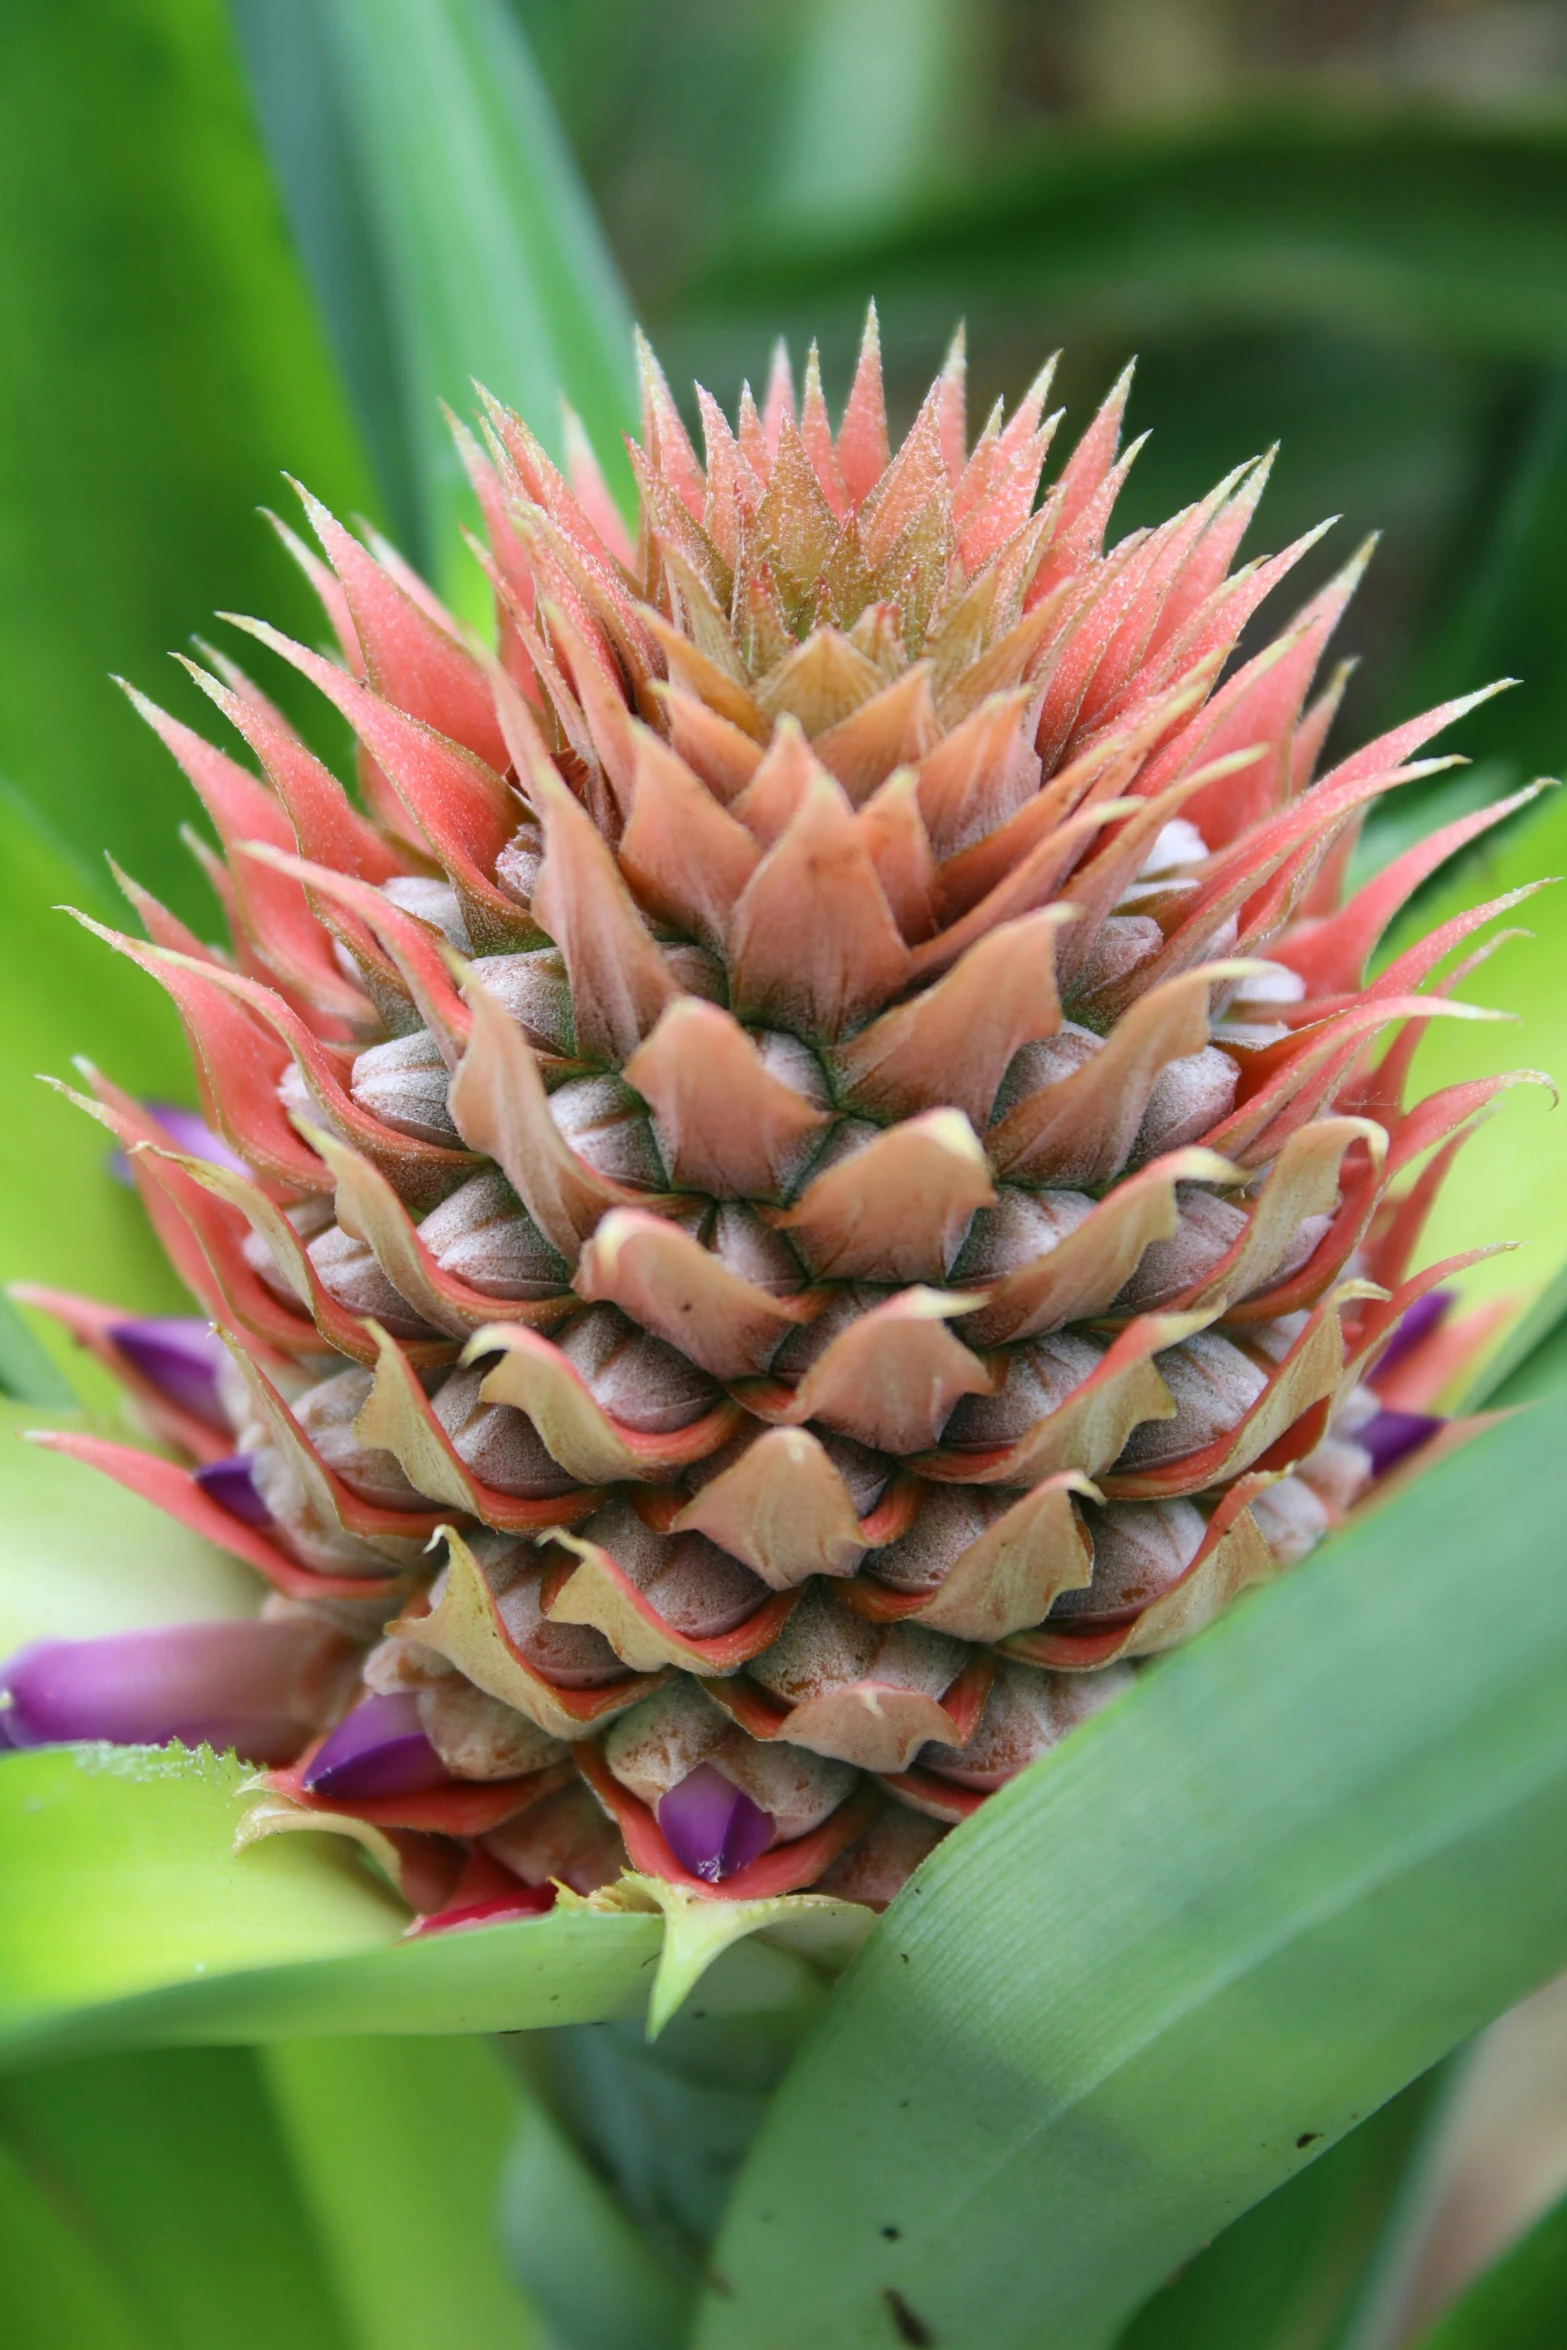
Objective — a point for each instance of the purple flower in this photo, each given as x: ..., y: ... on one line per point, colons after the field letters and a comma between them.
x: 1391, y: 1437
x: 1425, y: 1315
x: 379, y: 1749
x: 711, y: 1827
x: 179, y: 1356
x: 246, y: 1685
x: 190, y: 1133
x: 231, y: 1485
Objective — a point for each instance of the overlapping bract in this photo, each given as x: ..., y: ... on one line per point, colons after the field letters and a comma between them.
x: 827, y: 1134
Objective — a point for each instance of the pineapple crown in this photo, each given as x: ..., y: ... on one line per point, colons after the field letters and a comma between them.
x: 822, y: 1123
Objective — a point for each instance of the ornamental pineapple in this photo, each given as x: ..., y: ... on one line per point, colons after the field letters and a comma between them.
x: 810, y: 1175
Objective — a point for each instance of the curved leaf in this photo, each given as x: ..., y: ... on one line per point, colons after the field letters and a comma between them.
x: 1509, y: 1182
x: 1543, y: 1368
x: 697, y: 1932
x: 1532, y: 1358
x: 129, y: 1921
x: 1225, y: 1920
x: 79, y: 1556
x: 1282, y: 2277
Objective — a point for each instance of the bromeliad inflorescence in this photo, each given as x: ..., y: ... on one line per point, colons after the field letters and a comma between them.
x: 809, y: 1174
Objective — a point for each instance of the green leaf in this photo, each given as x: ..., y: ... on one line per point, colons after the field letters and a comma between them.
x: 79, y: 1555
x: 585, y: 2261
x: 173, y: 2180
x: 1520, y: 2303
x: 120, y: 1885
x: 27, y: 1370
x: 1192, y: 1947
x: 697, y: 1933
x: 160, y: 363
x: 1531, y: 1360
x: 59, y: 2286
x: 398, y: 2147
x: 1542, y: 1370
x: 1499, y: 612
x: 291, y: 67
x: 129, y: 1921
x: 843, y: 160
x: 330, y: 2195
x: 1282, y: 2276
x: 628, y: 2158
x: 448, y: 233
x: 1508, y: 1182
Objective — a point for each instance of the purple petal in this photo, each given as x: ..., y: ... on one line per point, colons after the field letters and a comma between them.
x: 1424, y: 1316
x: 711, y: 1827
x: 236, y: 1685
x: 231, y: 1485
x: 179, y: 1356
x: 1391, y: 1437
x: 189, y: 1132
x: 379, y: 1749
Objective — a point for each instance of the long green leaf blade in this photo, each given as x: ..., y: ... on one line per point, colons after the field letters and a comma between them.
x: 291, y: 66
x: 120, y: 1884
x: 1282, y: 2277
x: 1232, y: 1916
x: 59, y: 2285
x: 458, y: 195
x: 161, y: 364
x: 398, y: 2145
x: 129, y: 1921
x: 174, y: 2174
